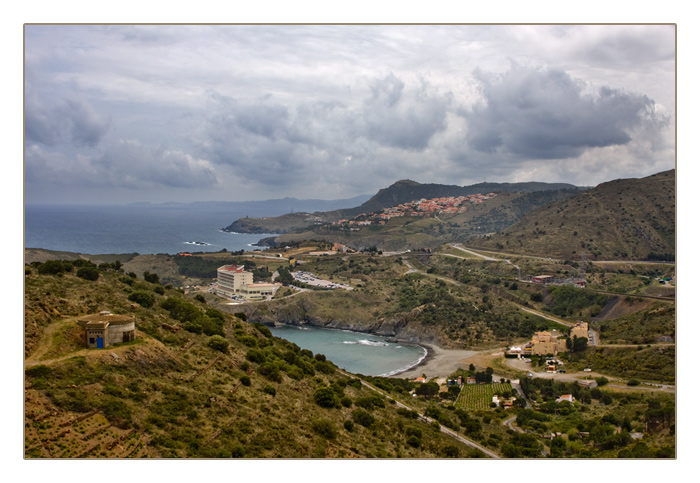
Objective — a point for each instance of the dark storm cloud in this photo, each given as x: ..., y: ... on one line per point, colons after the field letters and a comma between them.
x: 545, y: 114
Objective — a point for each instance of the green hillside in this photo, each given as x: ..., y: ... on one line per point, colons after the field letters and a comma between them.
x: 196, y: 382
x: 626, y: 219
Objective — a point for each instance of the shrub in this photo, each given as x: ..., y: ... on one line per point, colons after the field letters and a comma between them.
x: 88, y: 273
x: 413, y: 441
x: 255, y: 355
x: 326, y: 397
x: 324, y: 428
x: 362, y: 417
x: 348, y: 425
x: 271, y: 371
x: 151, y: 277
x: 144, y: 299
x: 245, y: 380
x: 269, y: 389
x: 218, y: 343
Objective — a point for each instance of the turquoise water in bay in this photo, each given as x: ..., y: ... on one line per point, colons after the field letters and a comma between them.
x: 355, y: 352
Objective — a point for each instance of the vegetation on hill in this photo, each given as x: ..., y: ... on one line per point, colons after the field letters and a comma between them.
x: 176, y: 391
x: 624, y: 219
x: 523, y: 197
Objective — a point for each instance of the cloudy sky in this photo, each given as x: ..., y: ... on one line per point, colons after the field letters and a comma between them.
x: 121, y: 113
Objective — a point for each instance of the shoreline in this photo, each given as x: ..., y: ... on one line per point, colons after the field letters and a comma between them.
x: 438, y: 362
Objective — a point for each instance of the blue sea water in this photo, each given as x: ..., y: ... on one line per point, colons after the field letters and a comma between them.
x: 354, y: 351
x: 144, y: 229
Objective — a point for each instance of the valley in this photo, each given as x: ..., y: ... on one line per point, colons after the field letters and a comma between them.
x: 205, y: 378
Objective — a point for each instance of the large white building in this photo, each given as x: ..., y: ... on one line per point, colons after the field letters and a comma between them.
x: 234, y: 280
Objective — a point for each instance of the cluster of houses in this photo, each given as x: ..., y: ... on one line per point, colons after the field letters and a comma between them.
x: 423, y: 207
x: 549, y: 342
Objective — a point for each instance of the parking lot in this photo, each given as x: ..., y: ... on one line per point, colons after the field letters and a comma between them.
x: 311, y: 279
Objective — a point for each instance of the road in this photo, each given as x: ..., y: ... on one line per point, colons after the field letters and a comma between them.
x: 425, y: 418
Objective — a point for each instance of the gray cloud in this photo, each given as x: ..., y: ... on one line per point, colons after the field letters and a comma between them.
x: 258, y: 111
x: 70, y: 122
x: 401, y: 118
x: 545, y: 114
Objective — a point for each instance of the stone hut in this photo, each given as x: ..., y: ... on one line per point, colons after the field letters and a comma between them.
x: 105, y: 329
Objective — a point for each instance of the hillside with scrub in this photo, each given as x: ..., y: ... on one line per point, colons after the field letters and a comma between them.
x: 623, y: 219
x: 196, y: 383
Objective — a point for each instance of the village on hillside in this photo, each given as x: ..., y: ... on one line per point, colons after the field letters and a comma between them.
x: 423, y: 207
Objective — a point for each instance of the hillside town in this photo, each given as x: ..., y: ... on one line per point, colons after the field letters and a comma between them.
x: 418, y: 208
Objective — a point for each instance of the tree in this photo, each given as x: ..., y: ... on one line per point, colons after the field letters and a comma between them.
x: 580, y: 344
x: 428, y: 389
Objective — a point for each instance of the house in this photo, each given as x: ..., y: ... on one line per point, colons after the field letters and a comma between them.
x: 566, y: 397
x: 471, y: 379
x: 579, y: 330
x: 105, y: 329
x: 419, y: 379
x: 544, y: 343
x: 545, y: 279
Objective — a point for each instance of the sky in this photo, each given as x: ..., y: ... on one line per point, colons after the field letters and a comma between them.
x: 121, y: 113
x: 241, y: 112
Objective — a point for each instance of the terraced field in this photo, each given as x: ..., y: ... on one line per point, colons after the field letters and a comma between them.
x: 479, y: 396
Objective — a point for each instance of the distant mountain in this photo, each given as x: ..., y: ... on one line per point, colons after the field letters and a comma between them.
x: 620, y: 219
x: 406, y: 190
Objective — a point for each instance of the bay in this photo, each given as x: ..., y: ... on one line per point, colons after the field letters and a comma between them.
x: 355, y: 352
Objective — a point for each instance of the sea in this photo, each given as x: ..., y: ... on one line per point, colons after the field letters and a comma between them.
x: 143, y: 229
x: 175, y: 228
x: 355, y: 352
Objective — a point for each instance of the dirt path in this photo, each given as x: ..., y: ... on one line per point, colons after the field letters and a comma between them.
x: 46, y: 343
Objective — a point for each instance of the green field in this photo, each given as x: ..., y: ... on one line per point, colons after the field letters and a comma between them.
x: 478, y: 396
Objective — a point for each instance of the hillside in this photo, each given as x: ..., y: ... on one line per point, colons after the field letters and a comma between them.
x: 213, y: 386
x: 622, y: 219
x: 204, y: 380
x: 406, y: 190
x: 400, y: 192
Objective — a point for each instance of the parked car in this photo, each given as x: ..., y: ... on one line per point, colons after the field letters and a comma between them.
x: 529, y: 374
x: 586, y: 370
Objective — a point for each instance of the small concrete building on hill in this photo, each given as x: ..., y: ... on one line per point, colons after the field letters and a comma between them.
x: 105, y: 329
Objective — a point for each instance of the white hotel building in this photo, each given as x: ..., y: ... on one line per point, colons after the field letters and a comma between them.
x: 234, y: 280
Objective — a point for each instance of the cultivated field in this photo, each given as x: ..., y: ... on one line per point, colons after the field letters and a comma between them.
x: 478, y: 396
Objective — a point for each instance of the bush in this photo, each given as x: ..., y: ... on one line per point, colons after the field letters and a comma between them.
x: 413, y: 441
x: 348, y: 425
x: 326, y: 397
x: 144, y: 299
x: 362, y: 417
x: 245, y: 380
x: 255, y: 355
x: 269, y: 389
x: 218, y: 343
x: 88, y: 273
x: 324, y: 428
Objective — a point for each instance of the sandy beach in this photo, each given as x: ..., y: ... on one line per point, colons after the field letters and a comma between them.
x: 439, y: 362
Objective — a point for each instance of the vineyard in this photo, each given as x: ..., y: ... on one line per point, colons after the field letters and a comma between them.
x: 479, y: 396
